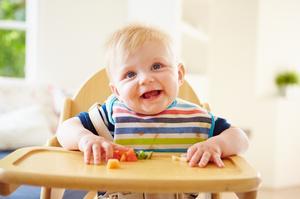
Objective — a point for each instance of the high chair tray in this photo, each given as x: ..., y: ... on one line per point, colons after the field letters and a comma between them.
x: 57, y: 167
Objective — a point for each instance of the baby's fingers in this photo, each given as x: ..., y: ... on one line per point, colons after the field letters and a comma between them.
x: 108, y: 149
x: 96, y: 154
x: 190, y: 152
x: 218, y: 161
x: 120, y: 147
x: 204, y: 159
x: 87, y: 154
x: 195, y: 158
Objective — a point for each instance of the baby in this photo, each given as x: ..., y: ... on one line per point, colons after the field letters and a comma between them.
x: 144, y: 111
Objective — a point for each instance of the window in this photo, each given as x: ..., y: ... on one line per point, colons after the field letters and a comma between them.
x: 12, y: 37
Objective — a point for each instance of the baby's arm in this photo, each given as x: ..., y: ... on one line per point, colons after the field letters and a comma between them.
x: 231, y: 141
x: 72, y: 135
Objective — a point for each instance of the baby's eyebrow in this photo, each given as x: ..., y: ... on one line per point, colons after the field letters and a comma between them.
x: 159, y: 59
x: 125, y: 68
x: 162, y: 60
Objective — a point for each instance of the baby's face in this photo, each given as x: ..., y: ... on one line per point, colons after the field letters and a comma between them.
x: 148, y: 80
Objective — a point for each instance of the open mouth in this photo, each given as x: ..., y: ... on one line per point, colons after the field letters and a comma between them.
x: 151, y: 94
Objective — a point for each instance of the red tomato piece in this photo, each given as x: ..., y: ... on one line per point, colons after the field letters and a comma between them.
x: 124, y: 156
x: 131, y: 156
x: 117, y: 154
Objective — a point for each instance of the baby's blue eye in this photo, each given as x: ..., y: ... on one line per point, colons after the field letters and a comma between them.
x: 130, y: 75
x: 156, y: 66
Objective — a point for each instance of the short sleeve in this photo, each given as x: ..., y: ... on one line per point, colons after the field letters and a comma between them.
x: 87, y: 123
x: 221, y: 125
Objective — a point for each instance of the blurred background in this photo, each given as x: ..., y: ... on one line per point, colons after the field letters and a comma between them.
x: 242, y: 56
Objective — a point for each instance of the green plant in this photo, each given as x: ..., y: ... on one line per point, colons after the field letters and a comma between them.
x: 12, y: 41
x: 12, y: 56
x: 287, y: 78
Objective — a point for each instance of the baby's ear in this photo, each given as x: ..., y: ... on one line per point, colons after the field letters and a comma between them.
x: 181, y: 73
x: 114, y: 90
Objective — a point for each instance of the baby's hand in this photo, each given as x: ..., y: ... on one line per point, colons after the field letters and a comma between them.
x: 203, y: 152
x: 96, y: 148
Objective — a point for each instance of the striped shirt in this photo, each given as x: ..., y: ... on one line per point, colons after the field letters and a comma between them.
x: 181, y: 125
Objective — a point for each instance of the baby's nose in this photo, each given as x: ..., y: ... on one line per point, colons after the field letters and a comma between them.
x: 146, y: 79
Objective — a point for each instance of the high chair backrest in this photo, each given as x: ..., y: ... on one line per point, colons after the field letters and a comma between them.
x: 96, y: 89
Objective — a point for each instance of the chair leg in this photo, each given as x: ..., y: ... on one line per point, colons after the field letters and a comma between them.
x: 45, y: 193
x: 247, y: 195
x: 51, y: 193
x: 91, y: 195
x: 215, y: 196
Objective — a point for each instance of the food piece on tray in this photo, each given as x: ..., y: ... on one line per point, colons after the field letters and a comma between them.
x: 181, y: 158
x: 125, y: 156
x: 113, y: 164
x: 142, y: 155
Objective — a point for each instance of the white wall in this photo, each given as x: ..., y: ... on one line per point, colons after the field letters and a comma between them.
x: 163, y: 14
x: 287, y: 143
x: 70, y: 39
x: 278, y: 48
x: 232, y: 58
x: 249, y: 42
x: 279, y: 43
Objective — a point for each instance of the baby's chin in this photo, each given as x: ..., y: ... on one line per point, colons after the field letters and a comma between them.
x: 149, y: 111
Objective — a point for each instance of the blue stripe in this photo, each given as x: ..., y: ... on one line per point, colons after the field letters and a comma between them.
x: 185, y: 106
x: 162, y: 120
x: 155, y: 130
x: 109, y: 107
x: 118, y: 103
x: 86, y: 122
x: 110, y: 126
x: 212, y: 127
x: 172, y: 104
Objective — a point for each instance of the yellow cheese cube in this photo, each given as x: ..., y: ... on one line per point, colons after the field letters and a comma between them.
x: 113, y: 164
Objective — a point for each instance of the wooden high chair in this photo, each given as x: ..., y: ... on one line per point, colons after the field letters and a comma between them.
x: 53, y: 167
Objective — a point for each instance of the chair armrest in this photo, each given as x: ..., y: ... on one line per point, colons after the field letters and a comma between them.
x: 53, y: 142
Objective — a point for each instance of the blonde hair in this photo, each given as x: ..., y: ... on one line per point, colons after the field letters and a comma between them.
x: 131, y: 37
